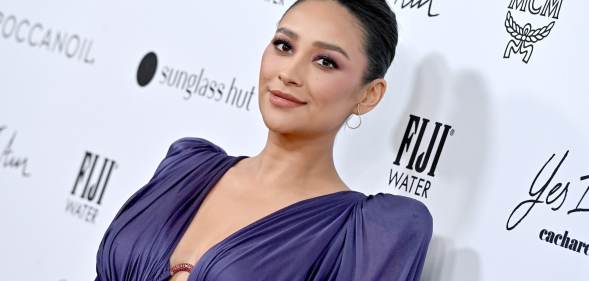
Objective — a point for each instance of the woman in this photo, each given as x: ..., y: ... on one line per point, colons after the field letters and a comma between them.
x: 283, y: 214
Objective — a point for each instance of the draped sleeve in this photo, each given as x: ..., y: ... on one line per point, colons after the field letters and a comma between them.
x: 396, y: 234
x: 174, y: 160
x: 182, y: 149
x: 183, y: 156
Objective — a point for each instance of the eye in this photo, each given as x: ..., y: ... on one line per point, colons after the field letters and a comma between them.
x: 327, y: 62
x: 282, y: 45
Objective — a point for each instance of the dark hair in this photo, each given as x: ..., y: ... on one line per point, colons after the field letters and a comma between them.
x: 379, y: 25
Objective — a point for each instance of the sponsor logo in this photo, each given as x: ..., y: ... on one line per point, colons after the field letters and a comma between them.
x: 275, y: 2
x: 89, y: 186
x: 524, y: 36
x: 37, y: 35
x: 564, y: 241
x: 194, y: 84
x: 423, y: 164
x: 8, y: 158
x: 147, y: 68
x: 417, y: 4
x: 554, y: 194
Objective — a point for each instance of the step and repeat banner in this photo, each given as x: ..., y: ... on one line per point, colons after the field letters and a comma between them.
x: 485, y: 120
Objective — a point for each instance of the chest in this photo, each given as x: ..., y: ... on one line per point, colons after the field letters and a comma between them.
x: 224, y: 211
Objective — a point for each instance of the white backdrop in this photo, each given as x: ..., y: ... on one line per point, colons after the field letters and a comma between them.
x: 76, y: 90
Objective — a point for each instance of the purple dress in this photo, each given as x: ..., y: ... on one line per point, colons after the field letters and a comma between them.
x: 343, y: 236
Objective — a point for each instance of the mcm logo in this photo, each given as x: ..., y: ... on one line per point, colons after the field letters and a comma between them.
x: 523, y: 37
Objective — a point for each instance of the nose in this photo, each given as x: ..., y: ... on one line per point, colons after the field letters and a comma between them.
x: 291, y: 73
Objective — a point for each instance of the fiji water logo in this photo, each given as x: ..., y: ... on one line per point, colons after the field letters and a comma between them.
x: 420, y: 167
x: 89, y: 187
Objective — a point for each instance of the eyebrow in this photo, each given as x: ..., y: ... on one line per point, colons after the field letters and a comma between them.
x: 319, y: 44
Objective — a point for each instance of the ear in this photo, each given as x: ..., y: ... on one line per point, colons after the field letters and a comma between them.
x: 371, y: 96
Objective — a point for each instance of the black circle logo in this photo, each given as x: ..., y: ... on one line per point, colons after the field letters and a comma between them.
x: 147, y: 68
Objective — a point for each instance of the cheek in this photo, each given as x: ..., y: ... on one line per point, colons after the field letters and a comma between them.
x: 267, y: 65
x: 332, y: 90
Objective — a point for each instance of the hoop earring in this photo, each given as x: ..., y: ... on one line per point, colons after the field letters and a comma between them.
x: 359, y: 120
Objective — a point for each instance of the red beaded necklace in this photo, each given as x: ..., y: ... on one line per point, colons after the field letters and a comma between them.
x: 181, y: 267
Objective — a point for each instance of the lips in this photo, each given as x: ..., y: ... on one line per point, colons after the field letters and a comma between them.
x: 287, y: 96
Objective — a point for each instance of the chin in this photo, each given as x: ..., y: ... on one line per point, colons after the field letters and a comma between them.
x: 279, y: 120
x: 278, y: 124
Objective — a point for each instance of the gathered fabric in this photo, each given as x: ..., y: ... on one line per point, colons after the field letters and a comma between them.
x: 343, y: 236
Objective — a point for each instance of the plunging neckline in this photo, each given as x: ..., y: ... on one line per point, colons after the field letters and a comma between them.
x: 207, y: 191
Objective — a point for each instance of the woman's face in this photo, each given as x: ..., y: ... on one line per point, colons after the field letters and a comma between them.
x: 316, y: 56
